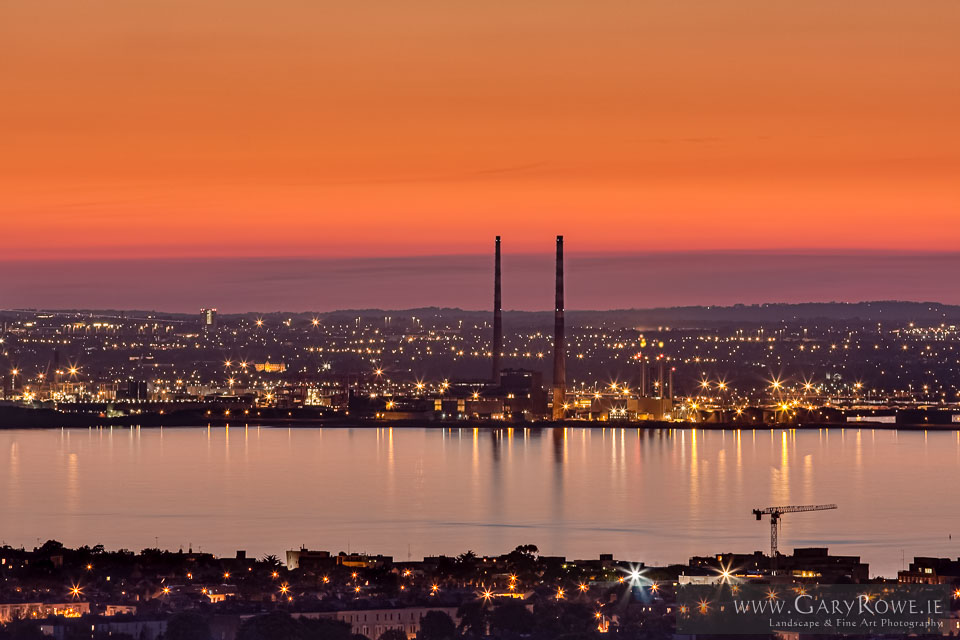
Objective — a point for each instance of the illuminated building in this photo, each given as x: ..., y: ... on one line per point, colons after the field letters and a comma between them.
x: 208, y: 319
x: 924, y: 570
x: 270, y: 367
x: 372, y: 623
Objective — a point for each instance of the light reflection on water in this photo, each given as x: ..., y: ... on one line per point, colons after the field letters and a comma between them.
x: 650, y: 495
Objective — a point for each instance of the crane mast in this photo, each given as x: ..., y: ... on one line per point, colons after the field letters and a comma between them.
x: 776, y: 512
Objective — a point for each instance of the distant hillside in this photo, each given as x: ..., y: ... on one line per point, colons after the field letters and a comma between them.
x: 675, y: 317
x: 696, y: 316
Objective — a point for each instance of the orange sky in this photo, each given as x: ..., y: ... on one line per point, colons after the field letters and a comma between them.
x: 311, y: 127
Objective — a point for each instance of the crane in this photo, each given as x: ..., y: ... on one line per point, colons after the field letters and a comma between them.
x: 776, y: 512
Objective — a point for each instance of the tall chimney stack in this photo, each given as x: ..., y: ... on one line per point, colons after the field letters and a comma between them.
x: 497, y: 320
x: 559, y: 343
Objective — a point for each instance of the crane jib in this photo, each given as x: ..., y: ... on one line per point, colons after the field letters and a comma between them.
x: 776, y: 512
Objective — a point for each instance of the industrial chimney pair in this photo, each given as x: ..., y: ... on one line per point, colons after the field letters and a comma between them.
x: 559, y: 338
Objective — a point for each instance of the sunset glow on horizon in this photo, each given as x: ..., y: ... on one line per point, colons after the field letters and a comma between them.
x: 357, y: 129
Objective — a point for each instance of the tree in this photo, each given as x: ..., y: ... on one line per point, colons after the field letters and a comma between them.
x: 465, y: 565
x: 523, y: 559
x: 578, y: 618
x: 325, y: 629
x: 50, y: 547
x: 271, y: 626
x: 271, y: 561
x: 473, y: 622
x: 393, y: 634
x: 187, y: 626
x: 546, y: 614
x: 437, y: 625
x: 512, y: 617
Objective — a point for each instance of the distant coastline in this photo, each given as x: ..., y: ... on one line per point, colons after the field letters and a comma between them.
x: 676, y: 317
x: 12, y: 417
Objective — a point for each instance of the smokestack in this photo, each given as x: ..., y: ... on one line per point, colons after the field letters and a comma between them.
x: 559, y: 343
x: 497, y: 320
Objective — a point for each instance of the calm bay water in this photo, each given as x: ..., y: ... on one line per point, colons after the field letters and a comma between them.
x: 648, y: 495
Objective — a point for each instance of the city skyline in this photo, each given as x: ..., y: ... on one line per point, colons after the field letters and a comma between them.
x: 426, y: 320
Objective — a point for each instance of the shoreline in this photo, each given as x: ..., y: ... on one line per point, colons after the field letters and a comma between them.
x: 16, y: 418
